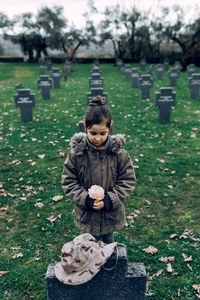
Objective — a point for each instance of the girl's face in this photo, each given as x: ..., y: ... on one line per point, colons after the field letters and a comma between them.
x: 97, y: 134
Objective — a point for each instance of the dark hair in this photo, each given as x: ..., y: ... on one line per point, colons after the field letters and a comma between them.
x: 97, y: 113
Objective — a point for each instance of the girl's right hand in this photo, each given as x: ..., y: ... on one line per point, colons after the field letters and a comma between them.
x: 98, y: 204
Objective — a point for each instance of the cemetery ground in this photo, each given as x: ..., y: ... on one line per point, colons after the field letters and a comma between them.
x: 36, y: 219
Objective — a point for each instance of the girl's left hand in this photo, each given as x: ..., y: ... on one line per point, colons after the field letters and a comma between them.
x: 98, y: 204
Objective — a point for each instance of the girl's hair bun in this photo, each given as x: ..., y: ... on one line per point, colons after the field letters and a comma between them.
x: 97, y: 101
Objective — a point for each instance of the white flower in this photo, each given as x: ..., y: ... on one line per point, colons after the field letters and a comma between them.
x: 96, y: 192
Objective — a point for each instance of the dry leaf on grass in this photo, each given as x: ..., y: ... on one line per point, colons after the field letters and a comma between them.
x: 158, y: 273
x: 57, y: 198
x: 2, y: 273
x: 169, y: 268
x: 166, y: 259
x: 172, y: 236
x: 150, y: 250
x: 17, y: 255
x: 186, y: 259
x: 189, y: 267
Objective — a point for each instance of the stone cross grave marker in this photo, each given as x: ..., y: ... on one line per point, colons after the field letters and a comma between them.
x: 127, y: 72
x: 145, y: 83
x: 49, y: 64
x: 165, y: 99
x: 96, y: 92
x: 96, y: 83
x: 159, y: 71
x: 173, y: 75
x: 67, y: 69
x: 25, y: 100
x: 95, y: 70
x: 42, y: 70
x: 143, y: 64
x: 119, y: 63
x: 151, y: 68
x: 194, y: 85
x: 19, y: 86
x: 45, y: 84
x: 178, y: 65
x: 56, y: 76
x: 135, y: 76
x: 191, y: 69
x: 166, y: 64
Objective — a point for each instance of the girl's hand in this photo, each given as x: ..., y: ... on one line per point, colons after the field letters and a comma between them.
x: 98, y: 204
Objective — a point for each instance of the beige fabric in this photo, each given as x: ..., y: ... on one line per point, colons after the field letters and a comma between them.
x: 82, y: 259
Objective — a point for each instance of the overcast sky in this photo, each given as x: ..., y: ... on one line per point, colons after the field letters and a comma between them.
x: 74, y: 9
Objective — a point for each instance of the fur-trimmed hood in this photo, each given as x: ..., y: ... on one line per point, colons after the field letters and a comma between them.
x: 79, y: 143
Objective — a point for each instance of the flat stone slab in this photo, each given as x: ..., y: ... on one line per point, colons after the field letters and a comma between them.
x: 126, y: 281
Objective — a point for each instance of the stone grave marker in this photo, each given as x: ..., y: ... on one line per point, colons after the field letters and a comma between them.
x: 194, y: 85
x: 143, y: 64
x: 173, y: 75
x: 96, y: 83
x: 48, y: 64
x: 18, y: 86
x: 119, y: 63
x: 178, y: 65
x: 45, y: 84
x: 25, y: 100
x: 165, y: 99
x: 145, y: 83
x: 56, y: 76
x: 67, y: 69
x: 96, y: 76
x: 159, y: 71
x: 124, y: 69
x: 124, y: 281
x: 96, y: 92
x: 135, y: 76
x: 151, y: 68
x: 166, y: 64
x: 42, y: 70
x: 128, y: 73
x: 191, y: 69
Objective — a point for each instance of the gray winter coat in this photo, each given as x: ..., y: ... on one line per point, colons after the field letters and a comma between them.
x: 111, y: 168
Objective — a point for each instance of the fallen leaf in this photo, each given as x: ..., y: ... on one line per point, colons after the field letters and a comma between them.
x: 172, y: 236
x: 129, y: 217
x: 189, y: 267
x: 169, y: 268
x: 52, y: 219
x: 196, y: 287
x: 17, y: 255
x: 57, y: 198
x: 158, y: 273
x: 2, y: 273
x: 166, y: 259
x: 186, y: 259
x: 150, y: 250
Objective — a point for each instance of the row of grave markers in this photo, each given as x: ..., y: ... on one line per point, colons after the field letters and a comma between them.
x: 166, y: 98
x: 96, y: 84
x: 25, y: 99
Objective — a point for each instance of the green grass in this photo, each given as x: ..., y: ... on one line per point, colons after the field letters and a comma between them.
x: 166, y: 198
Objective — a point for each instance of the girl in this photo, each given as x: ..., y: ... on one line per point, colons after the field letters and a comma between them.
x: 97, y: 158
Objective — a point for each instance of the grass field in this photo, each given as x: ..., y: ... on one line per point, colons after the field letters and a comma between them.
x: 163, y: 212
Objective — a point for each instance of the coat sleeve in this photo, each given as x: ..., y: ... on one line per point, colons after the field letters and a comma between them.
x: 125, y: 180
x: 70, y: 184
